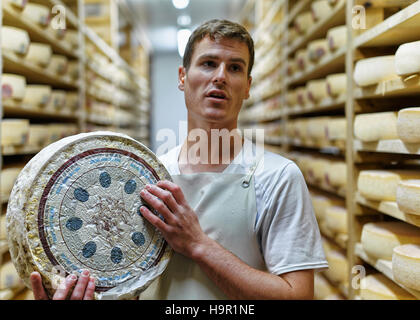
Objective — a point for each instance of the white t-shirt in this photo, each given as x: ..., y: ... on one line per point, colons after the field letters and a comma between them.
x: 285, y: 225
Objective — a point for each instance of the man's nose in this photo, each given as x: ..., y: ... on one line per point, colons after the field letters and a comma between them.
x: 220, y: 74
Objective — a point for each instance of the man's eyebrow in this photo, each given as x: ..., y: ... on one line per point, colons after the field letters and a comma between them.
x: 214, y: 57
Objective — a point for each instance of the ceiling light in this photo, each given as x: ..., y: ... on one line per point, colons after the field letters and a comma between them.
x: 180, y: 4
x: 183, y: 36
x: 184, y: 20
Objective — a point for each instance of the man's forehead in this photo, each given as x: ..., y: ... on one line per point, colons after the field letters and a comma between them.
x: 211, y: 47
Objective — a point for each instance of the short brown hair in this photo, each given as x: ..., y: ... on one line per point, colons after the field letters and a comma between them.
x: 219, y: 29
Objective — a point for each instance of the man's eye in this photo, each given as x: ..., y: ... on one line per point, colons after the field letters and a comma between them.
x: 236, y: 68
x: 209, y: 64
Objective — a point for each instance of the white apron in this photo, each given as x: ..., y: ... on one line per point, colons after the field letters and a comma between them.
x: 226, y: 208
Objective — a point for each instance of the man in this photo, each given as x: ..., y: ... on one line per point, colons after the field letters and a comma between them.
x: 238, y: 230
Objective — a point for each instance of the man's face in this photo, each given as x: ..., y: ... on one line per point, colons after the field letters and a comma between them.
x: 217, y: 81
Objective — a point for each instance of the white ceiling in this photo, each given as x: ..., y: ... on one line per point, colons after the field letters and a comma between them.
x: 159, y: 18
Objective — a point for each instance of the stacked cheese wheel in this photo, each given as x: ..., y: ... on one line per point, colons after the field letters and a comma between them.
x: 379, y: 287
x: 76, y: 205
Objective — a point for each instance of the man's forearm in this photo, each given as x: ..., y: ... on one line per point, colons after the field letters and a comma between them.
x: 240, y: 281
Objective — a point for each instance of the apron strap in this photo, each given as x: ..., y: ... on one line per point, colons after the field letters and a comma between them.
x: 247, y: 179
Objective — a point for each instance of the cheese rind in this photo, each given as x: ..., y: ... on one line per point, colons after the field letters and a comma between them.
x: 406, y: 265
x: 372, y: 71
x: 379, y: 287
x: 37, y: 95
x: 408, y: 196
x: 336, y: 84
x: 14, y: 132
x: 320, y: 9
x: 39, y: 53
x: 37, y: 13
x: 58, y: 64
x: 317, y: 49
x: 15, y: 39
x: 407, y: 58
x: 338, y: 266
x: 13, y: 86
x: 380, y: 238
x: 336, y: 176
x: 337, y: 37
x: 376, y: 126
x: 322, y: 288
x: 336, y: 218
x: 316, y: 90
x: 303, y: 22
x: 408, y: 125
x: 381, y: 185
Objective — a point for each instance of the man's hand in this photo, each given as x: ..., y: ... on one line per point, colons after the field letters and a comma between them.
x: 180, y: 227
x: 84, y: 290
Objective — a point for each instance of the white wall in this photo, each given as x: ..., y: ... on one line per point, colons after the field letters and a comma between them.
x: 168, y: 107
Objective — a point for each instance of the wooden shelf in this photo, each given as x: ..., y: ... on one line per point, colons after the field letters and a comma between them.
x: 328, y: 104
x: 390, y: 88
x: 400, y: 28
x: 34, y: 74
x: 320, y: 29
x: 383, y: 266
x: 14, y: 109
x: 388, y: 146
x: 332, y: 147
x: 389, y: 208
x: 19, y: 150
x: 331, y: 63
x: 273, y: 140
x: 12, y: 17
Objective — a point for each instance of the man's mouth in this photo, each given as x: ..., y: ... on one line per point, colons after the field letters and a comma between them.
x: 216, y: 94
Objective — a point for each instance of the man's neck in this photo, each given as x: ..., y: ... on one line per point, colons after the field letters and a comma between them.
x: 209, y: 148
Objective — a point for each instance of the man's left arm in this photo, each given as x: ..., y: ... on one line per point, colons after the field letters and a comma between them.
x: 235, y: 278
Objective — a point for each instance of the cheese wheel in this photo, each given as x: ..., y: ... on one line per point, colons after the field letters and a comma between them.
x: 406, y: 265
x: 380, y: 238
x: 57, y: 100
x: 316, y: 127
x: 291, y: 67
x: 9, y: 278
x: 336, y: 84
x: 37, y: 95
x: 336, y: 176
x: 337, y: 37
x: 58, y: 64
x: 293, y: 35
x: 321, y: 9
x: 371, y: 127
x: 85, y: 193
x: 291, y: 98
x: 302, y: 59
x: 303, y: 22
x: 336, y: 218
x: 408, y: 196
x: 13, y: 86
x: 408, y: 125
x: 37, y: 13
x: 317, y: 49
x: 19, y: 4
x: 39, y: 53
x: 72, y: 37
x: 407, y: 58
x: 379, y: 287
x: 14, y: 39
x: 7, y: 179
x: 336, y: 129
x: 381, y: 185
x: 73, y: 69
x: 38, y: 135
x: 338, y: 266
x: 72, y: 101
x: 3, y: 231
x: 316, y: 90
x: 301, y: 96
x: 14, y: 132
x: 322, y: 288
x: 321, y: 203
x: 317, y: 170
x: 372, y: 71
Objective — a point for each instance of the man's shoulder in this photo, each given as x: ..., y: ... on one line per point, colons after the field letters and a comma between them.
x: 170, y: 158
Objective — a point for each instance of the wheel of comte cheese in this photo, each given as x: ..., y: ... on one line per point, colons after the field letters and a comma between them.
x: 76, y: 205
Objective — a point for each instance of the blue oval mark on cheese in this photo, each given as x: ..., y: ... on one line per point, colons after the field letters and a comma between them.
x: 116, y: 255
x: 74, y: 224
x: 130, y: 186
x: 138, y: 238
x: 89, y: 249
x: 81, y: 194
x: 105, y: 179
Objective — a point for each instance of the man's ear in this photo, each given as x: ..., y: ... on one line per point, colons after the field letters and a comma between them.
x: 181, y: 78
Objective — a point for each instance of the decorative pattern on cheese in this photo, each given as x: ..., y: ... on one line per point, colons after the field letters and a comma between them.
x: 380, y: 238
x: 76, y: 206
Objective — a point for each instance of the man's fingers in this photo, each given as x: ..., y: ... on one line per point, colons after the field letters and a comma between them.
x: 65, y: 287
x: 158, y: 205
x: 37, y: 287
x: 174, y: 189
x: 79, y: 291
x: 90, y: 289
x: 154, y: 220
x: 164, y: 195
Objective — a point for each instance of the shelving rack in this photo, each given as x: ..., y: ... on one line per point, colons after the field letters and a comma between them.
x: 133, y: 86
x: 400, y: 27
